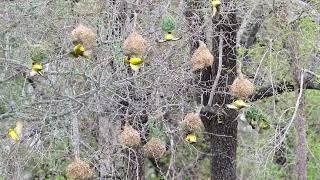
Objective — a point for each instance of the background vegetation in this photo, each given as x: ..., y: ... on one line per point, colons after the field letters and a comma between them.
x: 97, y: 93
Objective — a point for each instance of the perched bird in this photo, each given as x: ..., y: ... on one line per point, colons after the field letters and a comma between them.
x: 215, y: 3
x: 134, y: 62
x: 216, y: 6
x: 191, y: 137
x: 253, y: 123
x: 36, y: 68
x: 238, y: 104
x: 78, y: 49
x: 168, y: 36
x: 264, y: 124
x: 13, y: 135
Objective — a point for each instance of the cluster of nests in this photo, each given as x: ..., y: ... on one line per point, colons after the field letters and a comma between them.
x: 79, y: 169
x: 154, y: 148
x: 202, y: 58
x: 135, y: 45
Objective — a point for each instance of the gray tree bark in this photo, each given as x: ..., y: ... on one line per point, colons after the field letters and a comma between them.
x: 223, y: 136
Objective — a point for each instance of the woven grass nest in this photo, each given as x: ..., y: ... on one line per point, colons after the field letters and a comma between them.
x: 201, y: 57
x: 168, y: 23
x: 135, y: 44
x: 38, y: 53
x: 84, y: 35
x: 154, y: 148
x: 79, y: 169
x: 241, y: 87
x: 192, y: 122
x: 129, y: 136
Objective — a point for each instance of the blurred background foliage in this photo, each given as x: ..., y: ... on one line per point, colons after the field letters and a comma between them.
x: 93, y: 89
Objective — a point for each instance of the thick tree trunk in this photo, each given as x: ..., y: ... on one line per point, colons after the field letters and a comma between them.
x: 220, y: 123
x: 301, y: 142
x: 300, y: 84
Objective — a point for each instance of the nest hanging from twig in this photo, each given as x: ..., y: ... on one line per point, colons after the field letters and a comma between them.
x: 135, y: 44
x: 192, y: 122
x: 129, y: 136
x: 201, y: 57
x: 241, y: 87
x: 84, y: 35
x: 154, y: 148
x: 38, y: 53
x: 79, y: 169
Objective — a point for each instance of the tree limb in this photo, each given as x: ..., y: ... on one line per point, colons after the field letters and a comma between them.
x: 279, y: 88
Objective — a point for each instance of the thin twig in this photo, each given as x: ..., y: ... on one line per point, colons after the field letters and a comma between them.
x: 214, y: 86
x: 75, y: 136
x: 295, y: 110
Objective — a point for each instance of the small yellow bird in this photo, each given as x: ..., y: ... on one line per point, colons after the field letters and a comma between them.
x: 134, y: 62
x: 191, y: 137
x: 215, y: 3
x: 238, y: 104
x: 36, y: 68
x: 168, y: 36
x: 13, y: 135
x: 215, y: 6
x: 78, y: 49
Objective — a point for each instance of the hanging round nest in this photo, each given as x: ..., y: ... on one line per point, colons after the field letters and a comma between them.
x: 241, y: 87
x: 135, y: 44
x: 154, y: 148
x: 84, y: 35
x: 38, y: 53
x: 129, y: 136
x: 192, y: 122
x: 168, y: 23
x: 201, y: 57
x: 79, y: 169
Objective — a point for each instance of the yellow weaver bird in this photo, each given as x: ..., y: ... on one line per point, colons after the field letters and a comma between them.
x: 15, y: 133
x: 36, y: 68
x: 134, y: 62
x: 191, y: 137
x: 168, y: 37
x: 216, y: 6
x: 215, y: 3
x: 238, y: 104
x: 78, y: 49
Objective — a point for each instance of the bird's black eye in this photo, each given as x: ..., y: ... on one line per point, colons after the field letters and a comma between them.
x: 169, y: 32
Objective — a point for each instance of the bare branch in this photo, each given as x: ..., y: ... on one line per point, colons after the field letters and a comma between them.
x: 214, y: 86
x: 279, y: 88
